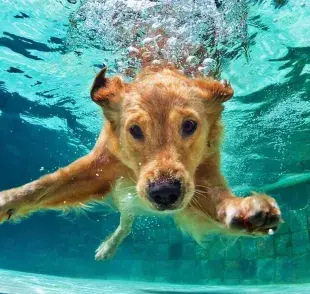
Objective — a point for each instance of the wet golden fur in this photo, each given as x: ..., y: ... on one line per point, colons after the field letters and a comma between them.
x: 157, y: 101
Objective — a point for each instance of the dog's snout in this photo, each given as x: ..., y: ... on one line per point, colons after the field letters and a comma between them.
x: 165, y: 193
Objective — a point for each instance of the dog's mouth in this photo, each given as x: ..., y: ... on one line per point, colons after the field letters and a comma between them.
x: 166, y: 194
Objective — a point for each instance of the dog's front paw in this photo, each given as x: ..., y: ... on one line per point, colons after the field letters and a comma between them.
x: 8, y: 207
x: 106, y: 250
x: 255, y: 215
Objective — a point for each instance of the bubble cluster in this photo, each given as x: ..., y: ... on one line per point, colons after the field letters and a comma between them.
x: 186, y: 34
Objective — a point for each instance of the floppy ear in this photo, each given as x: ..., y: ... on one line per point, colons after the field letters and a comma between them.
x: 217, y: 91
x: 107, y: 92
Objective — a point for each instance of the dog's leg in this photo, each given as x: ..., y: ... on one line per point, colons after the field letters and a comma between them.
x: 88, y: 177
x: 125, y: 199
x: 258, y: 214
x: 107, y: 248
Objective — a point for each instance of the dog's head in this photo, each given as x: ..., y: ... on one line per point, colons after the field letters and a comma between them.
x: 163, y: 126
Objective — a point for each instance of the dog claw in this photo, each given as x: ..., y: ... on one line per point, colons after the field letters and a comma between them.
x: 225, y: 83
x: 10, y: 213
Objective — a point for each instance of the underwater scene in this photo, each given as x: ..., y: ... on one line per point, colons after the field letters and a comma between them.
x: 50, y: 53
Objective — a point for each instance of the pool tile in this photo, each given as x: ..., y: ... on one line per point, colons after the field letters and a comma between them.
x: 283, y: 244
x: 248, y: 247
x: 233, y: 251
x: 248, y: 268
x: 284, y: 269
x: 202, y: 253
x: 204, y: 269
x: 300, y: 242
x: 265, y: 247
x: 217, y: 269
x: 265, y: 270
x: 189, y: 251
x: 301, y: 268
x: 298, y: 220
x: 233, y: 270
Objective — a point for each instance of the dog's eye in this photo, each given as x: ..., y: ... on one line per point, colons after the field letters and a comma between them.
x: 188, y: 128
x: 136, y: 132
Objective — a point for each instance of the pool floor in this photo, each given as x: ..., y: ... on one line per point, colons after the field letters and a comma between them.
x: 12, y: 282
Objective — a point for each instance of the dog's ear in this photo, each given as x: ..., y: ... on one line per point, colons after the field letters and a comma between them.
x: 212, y: 90
x: 108, y: 92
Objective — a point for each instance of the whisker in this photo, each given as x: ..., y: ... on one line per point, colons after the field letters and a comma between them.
x: 201, y: 191
x: 203, y: 196
x: 202, y: 208
x: 211, y: 191
x: 132, y: 178
x: 126, y: 188
x: 195, y: 201
x: 200, y: 195
x: 203, y: 186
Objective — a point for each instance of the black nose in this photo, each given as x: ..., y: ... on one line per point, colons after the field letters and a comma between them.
x: 165, y: 193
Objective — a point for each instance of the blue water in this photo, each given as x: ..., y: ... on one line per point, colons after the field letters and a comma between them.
x: 13, y: 282
x: 49, y: 54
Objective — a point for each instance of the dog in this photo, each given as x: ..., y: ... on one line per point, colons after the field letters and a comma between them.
x: 158, y: 152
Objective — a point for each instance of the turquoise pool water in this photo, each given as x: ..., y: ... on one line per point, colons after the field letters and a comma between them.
x: 49, y: 53
x: 13, y: 282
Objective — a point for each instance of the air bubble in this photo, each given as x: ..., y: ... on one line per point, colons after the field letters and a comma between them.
x: 132, y: 49
x: 156, y: 62
x: 156, y: 25
x: 120, y: 25
x: 209, y: 63
x: 147, y: 41
x: 192, y: 60
x: 171, y: 41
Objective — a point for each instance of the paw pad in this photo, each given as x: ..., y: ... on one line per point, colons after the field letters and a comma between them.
x: 260, y: 222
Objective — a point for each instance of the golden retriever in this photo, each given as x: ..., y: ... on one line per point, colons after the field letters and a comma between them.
x: 158, y: 152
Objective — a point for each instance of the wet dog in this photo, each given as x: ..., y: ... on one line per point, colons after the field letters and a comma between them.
x: 158, y: 152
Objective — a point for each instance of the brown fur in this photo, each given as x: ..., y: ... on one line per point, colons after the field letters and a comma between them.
x: 157, y: 101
